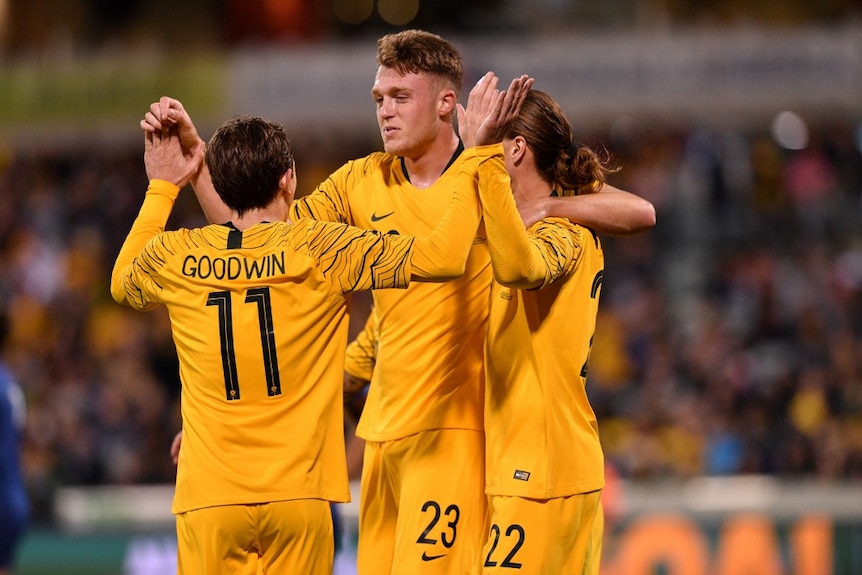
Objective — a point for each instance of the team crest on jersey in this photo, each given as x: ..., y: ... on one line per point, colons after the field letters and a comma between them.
x: 521, y: 475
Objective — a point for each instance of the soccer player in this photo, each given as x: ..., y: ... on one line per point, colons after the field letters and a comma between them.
x: 14, y: 505
x: 259, y: 316
x: 544, y: 463
x: 422, y: 501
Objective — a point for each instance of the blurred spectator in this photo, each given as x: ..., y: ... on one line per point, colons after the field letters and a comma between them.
x: 14, y: 506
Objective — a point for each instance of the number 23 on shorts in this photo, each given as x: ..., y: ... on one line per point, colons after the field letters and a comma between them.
x: 442, y: 524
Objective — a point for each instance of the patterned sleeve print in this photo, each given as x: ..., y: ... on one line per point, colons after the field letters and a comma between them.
x: 143, y: 281
x: 329, y: 202
x: 127, y: 281
x: 358, y: 260
x: 559, y: 244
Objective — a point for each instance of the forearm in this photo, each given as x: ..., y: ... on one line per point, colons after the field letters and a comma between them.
x: 212, y: 205
x: 152, y: 217
x: 443, y: 254
x: 610, y: 211
x: 361, y: 355
x: 515, y: 260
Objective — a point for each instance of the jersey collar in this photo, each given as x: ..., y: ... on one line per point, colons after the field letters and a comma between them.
x: 454, y: 157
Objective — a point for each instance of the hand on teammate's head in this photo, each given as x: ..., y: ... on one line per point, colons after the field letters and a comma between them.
x: 489, y: 110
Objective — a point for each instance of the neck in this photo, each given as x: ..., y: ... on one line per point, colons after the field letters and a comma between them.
x: 271, y: 213
x: 530, y: 186
x: 426, y: 168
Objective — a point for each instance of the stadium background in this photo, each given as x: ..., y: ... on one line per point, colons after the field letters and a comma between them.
x: 727, y: 367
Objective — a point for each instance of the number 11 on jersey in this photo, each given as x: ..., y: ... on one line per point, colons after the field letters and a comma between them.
x: 260, y: 297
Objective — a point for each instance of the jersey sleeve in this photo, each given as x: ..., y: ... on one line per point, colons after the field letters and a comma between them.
x: 443, y: 253
x: 362, y: 352
x: 329, y: 203
x: 358, y: 260
x: 132, y: 278
x: 519, y: 258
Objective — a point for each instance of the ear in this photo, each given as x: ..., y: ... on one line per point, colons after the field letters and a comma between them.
x: 518, y: 150
x: 447, y: 103
x: 287, y: 185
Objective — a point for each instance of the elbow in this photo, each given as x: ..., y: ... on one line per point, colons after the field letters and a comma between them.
x: 450, y: 272
x: 437, y: 274
x: 645, y: 218
x: 642, y: 220
x: 119, y: 297
x: 519, y: 284
x: 515, y: 280
x: 647, y: 215
x: 453, y: 269
x: 458, y: 269
x: 117, y: 290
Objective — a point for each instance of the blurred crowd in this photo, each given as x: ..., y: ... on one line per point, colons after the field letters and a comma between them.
x: 731, y: 336
x: 729, y: 339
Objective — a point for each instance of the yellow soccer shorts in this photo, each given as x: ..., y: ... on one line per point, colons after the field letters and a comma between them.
x: 538, y: 537
x: 280, y: 537
x: 422, y: 507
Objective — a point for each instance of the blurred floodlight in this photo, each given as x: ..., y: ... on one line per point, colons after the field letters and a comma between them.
x: 790, y: 131
x: 352, y: 11
x: 398, y: 12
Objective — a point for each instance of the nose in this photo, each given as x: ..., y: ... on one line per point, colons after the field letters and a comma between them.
x: 384, y: 109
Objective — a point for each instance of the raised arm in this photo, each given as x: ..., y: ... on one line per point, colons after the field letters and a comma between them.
x: 170, y: 113
x: 169, y: 167
x: 612, y: 211
x: 443, y: 254
x: 518, y: 260
x: 356, y: 259
x: 490, y: 110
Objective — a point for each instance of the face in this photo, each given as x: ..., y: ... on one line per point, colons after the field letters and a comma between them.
x: 408, y: 111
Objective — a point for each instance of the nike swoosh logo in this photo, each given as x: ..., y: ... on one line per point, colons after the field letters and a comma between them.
x: 376, y: 218
x: 426, y: 557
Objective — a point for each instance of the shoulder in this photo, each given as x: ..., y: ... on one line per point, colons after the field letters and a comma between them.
x: 168, y: 241
x: 371, y: 161
x: 376, y: 161
x: 353, y: 171
x: 560, y: 229
x: 309, y: 231
x: 556, y: 224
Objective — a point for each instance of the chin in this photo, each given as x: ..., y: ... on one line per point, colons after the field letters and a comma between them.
x: 393, y: 148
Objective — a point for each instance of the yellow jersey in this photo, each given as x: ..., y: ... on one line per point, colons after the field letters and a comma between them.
x: 541, y: 433
x: 428, y: 372
x: 259, y: 320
